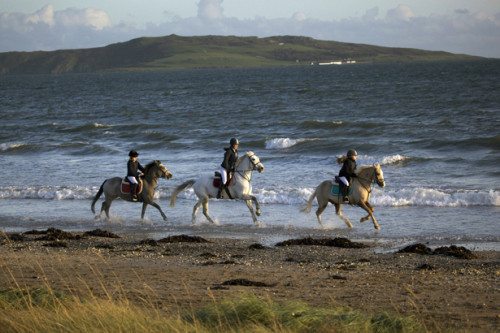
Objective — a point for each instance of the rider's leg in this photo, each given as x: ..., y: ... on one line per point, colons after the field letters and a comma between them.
x: 223, y: 182
x: 344, y: 188
x: 133, y: 187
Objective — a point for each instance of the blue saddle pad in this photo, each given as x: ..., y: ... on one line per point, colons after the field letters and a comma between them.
x: 336, y: 190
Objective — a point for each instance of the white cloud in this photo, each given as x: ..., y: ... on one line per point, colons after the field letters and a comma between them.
x: 44, y: 15
x: 210, y: 9
x: 88, y: 17
x: 400, y: 13
x: 299, y: 16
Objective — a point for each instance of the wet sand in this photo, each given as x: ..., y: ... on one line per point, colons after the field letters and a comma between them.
x: 446, y: 293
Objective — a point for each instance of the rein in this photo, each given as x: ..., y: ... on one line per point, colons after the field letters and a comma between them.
x: 242, y: 172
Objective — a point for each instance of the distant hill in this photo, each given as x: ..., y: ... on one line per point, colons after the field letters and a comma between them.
x: 176, y: 52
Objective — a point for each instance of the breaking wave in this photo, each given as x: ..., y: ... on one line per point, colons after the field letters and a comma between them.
x: 283, y: 143
x: 284, y: 195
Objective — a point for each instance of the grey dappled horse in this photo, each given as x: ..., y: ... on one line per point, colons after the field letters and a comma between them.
x: 240, y: 187
x: 359, y: 195
x: 111, y: 188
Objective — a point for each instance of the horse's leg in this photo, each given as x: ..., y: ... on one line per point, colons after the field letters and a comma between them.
x: 320, y: 210
x: 250, y: 208
x: 195, y: 210
x: 108, y: 202
x: 144, y: 205
x: 369, y: 211
x: 155, y: 205
x: 254, y: 199
x: 367, y: 217
x: 338, y: 211
x: 103, y: 208
x: 205, y: 209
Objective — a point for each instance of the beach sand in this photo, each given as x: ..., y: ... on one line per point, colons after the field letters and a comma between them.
x: 445, y: 293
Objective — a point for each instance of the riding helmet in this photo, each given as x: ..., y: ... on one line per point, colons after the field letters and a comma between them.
x: 351, y: 153
x: 133, y: 153
x: 234, y: 141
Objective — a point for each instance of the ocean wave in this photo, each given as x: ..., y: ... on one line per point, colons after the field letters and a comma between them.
x: 428, y: 197
x: 84, y: 127
x: 321, y: 124
x: 13, y: 146
x: 284, y: 143
x: 394, y: 159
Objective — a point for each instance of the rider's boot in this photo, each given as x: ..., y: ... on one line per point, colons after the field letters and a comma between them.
x: 133, y: 196
x: 345, y: 193
x: 219, y: 194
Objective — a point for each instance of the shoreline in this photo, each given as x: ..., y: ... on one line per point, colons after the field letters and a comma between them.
x: 443, y: 292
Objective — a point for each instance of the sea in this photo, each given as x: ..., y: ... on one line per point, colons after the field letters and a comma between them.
x: 434, y: 127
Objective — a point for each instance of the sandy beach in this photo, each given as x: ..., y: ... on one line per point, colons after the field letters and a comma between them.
x: 444, y: 292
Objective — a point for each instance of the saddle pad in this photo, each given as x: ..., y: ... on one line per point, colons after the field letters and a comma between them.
x: 216, y: 182
x: 336, y: 190
x: 125, y: 188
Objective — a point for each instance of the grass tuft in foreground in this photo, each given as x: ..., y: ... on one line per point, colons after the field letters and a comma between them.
x: 43, y: 310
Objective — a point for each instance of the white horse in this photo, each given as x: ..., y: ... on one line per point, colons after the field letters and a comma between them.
x: 359, y: 195
x: 239, y: 188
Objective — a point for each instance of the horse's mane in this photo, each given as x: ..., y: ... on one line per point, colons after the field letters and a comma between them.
x: 248, y: 153
x: 149, y: 166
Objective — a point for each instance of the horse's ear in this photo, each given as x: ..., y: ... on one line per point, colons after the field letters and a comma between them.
x: 376, y: 165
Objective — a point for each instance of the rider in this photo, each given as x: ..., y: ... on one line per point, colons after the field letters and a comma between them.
x: 134, y: 171
x: 228, y: 164
x: 347, y: 172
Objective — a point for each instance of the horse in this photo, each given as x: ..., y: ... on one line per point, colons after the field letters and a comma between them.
x: 111, y: 188
x: 359, y: 195
x: 239, y: 187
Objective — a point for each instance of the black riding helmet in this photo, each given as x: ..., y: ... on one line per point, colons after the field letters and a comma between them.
x: 133, y: 153
x: 234, y: 141
x: 351, y: 153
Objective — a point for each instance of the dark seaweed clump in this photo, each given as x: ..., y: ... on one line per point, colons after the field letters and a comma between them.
x: 101, y: 233
x: 183, y: 239
x: 334, y: 242
x: 451, y: 251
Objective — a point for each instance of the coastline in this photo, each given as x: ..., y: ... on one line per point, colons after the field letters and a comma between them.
x: 445, y: 293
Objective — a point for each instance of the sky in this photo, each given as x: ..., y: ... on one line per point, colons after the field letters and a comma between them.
x: 458, y: 26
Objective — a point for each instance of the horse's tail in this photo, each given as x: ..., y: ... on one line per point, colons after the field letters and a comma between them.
x: 97, y: 196
x: 179, y: 189
x: 307, y: 208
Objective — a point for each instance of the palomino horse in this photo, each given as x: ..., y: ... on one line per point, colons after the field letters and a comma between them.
x: 112, y: 189
x: 240, y: 187
x: 359, y: 195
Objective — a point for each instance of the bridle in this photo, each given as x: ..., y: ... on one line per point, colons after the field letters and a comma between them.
x: 372, y: 180
x: 254, y: 166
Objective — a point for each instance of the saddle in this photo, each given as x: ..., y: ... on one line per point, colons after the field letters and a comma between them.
x: 125, y: 188
x: 218, y: 180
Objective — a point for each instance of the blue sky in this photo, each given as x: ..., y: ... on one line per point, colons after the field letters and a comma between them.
x: 458, y: 26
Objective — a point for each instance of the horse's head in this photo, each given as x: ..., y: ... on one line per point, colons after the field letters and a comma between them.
x: 255, y: 160
x: 379, y: 175
x: 250, y: 162
x: 159, y: 170
x: 165, y: 173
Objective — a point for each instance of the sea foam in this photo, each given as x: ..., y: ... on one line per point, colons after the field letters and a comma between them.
x: 284, y: 195
x: 283, y: 143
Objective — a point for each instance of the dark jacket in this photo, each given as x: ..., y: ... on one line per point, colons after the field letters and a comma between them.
x: 347, y: 169
x: 230, y: 158
x: 133, y: 167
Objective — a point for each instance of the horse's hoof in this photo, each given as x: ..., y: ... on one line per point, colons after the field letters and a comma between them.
x: 377, y: 227
x: 258, y: 212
